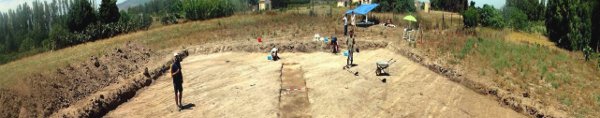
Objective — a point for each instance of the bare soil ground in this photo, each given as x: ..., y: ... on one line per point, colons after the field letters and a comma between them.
x: 40, y: 95
x: 240, y: 84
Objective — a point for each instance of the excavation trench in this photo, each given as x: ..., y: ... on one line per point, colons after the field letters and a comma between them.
x: 246, y: 84
x: 222, y: 79
x: 110, y: 97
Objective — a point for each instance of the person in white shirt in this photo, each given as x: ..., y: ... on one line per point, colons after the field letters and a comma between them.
x: 353, y: 19
x: 274, y: 54
x: 345, y: 25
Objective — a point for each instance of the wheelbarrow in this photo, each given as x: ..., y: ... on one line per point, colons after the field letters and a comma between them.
x: 382, y: 66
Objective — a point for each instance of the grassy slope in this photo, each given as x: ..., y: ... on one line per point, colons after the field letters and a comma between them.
x: 166, y: 38
x: 523, y: 63
x: 157, y: 39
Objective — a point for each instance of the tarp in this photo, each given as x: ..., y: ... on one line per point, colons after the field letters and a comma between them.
x: 363, y: 9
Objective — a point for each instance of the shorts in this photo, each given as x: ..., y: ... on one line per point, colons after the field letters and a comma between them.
x: 178, y: 87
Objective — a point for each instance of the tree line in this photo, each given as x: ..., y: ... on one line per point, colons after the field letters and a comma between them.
x: 449, y: 5
x: 49, y: 25
x: 570, y: 24
x: 41, y: 26
x: 398, y: 6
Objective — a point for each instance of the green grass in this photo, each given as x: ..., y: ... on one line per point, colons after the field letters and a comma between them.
x: 517, y: 66
x: 166, y: 38
x: 566, y: 100
x: 597, y: 98
x: 467, y: 48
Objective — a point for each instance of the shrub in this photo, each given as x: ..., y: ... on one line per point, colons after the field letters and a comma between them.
x: 470, y: 17
x: 467, y: 48
x: 516, y: 18
x: 490, y: 17
x: 168, y: 19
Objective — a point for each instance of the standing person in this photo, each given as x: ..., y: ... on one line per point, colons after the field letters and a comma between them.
x: 350, y: 42
x: 177, y: 80
x: 353, y: 20
x: 345, y: 24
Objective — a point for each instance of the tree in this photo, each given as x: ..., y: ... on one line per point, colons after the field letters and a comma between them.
x: 568, y: 23
x: 470, y: 17
x: 450, y: 5
x: 109, y: 12
x: 515, y: 18
x: 404, y: 6
x: 533, y: 8
x: 596, y: 28
x: 398, y: 6
x: 81, y: 14
x: 491, y: 17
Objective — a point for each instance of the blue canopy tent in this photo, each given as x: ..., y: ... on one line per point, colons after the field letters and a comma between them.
x: 363, y: 10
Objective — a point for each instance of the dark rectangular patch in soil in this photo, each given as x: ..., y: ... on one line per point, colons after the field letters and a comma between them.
x: 293, y: 100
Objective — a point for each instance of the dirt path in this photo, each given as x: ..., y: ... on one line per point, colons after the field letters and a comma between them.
x: 247, y: 85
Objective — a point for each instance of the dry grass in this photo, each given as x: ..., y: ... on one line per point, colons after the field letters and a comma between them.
x: 511, y: 60
x: 164, y: 39
x: 521, y: 63
x: 529, y: 38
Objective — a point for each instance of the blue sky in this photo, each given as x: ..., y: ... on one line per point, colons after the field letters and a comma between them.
x: 5, y: 5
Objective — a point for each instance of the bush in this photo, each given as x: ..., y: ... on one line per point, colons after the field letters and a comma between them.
x: 57, y: 36
x: 27, y: 44
x: 516, y: 18
x: 491, y: 17
x: 168, y: 19
x: 470, y: 17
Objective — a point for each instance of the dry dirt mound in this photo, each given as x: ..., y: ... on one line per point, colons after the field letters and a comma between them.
x: 40, y: 95
x: 285, y: 46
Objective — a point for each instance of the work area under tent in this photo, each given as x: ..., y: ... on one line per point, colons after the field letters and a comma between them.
x: 363, y: 10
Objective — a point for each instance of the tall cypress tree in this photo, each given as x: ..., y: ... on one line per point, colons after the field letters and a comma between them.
x: 109, y: 12
x: 81, y: 14
x: 596, y: 27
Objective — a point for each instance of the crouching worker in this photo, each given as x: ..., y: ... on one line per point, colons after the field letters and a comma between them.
x: 274, y: 54
x: 177, y: 80
x: 334, y: 45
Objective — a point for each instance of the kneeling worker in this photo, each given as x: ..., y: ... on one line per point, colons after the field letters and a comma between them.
x: 274, y: 54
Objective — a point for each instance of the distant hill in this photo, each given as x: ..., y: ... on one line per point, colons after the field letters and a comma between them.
x: 131, y: 3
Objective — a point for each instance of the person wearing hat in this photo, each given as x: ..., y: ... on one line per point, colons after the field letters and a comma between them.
x: 274, y: 54
x: 177, y: 80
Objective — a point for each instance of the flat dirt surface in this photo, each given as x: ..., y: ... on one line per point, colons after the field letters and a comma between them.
x: 236, y: 84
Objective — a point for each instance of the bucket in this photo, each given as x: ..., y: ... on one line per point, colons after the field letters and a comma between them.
x: 269, y: 57
x: 326, y: 40
x: 346, y: 53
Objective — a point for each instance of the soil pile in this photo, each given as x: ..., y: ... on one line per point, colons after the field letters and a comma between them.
x: 40, y: 95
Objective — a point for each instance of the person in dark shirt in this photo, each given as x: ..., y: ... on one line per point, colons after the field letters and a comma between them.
x: 334, y: 44
x: 177, y: 80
